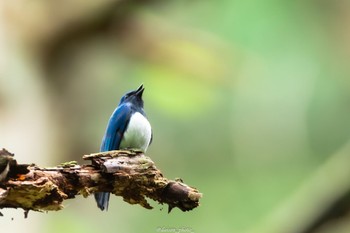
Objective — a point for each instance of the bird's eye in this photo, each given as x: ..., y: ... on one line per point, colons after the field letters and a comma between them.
x: 127, y: 95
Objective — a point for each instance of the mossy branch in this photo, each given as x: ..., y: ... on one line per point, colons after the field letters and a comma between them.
x: 129, y: 174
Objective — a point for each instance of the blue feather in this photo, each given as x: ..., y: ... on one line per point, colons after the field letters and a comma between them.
x: 111, y: 141
x: 116, y: 127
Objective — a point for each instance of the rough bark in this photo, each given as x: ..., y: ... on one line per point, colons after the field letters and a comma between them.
x: 129, y: 174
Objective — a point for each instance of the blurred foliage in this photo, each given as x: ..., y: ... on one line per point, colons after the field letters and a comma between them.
x: 247, y: 100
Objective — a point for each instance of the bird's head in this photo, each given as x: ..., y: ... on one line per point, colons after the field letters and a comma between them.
x: 134, y: 97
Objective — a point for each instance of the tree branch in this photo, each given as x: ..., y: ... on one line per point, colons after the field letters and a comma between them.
x: 129, y: 174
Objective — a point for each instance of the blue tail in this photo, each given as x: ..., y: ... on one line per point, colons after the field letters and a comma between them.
x: 102, y: 200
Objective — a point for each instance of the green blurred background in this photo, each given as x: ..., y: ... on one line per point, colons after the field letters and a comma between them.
x: 249, y: 102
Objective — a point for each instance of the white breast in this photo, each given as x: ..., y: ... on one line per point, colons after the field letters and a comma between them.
x: 138, y: 133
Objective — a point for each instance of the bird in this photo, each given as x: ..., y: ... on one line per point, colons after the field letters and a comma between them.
x: 128, y: 128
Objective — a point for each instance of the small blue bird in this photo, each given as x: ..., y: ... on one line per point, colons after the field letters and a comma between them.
x: 128, y: 128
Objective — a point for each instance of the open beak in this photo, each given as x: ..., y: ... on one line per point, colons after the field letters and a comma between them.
x: 139, y: 91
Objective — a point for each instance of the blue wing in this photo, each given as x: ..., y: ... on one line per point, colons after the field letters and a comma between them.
x: 111, y: 141
x: 115, y: 129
